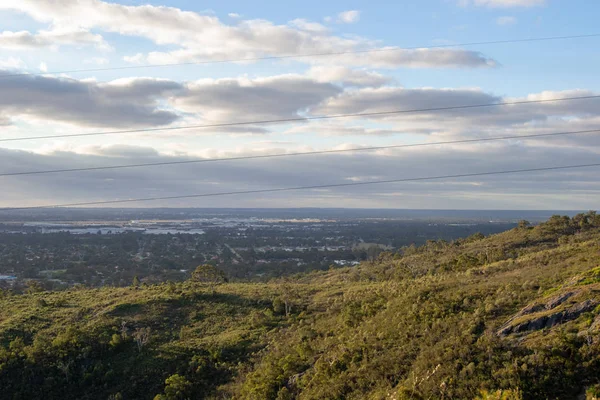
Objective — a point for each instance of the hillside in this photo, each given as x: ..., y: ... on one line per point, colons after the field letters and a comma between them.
x: 509, y: 316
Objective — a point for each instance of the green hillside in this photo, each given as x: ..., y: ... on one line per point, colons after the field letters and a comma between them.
x: 510, y: 316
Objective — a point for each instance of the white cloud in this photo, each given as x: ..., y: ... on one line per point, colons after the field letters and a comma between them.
x: 12, y: 63
x: 239, y: 99
x: 308, y: 26
x: 145, y: 102
x: 340, y: 128
x: 135, y: 59
x: 234, y: 15
x: 43, y: 67
x: 385, y: 57
x: 322, y: 90
x: 120, y: 103
x: 575, y: 189
x: 349, y: 17
x: 153, y: 102
x: 387, y: 98
x: 503, y: 3
x: 196, y: 37
x: 394, y: 57
x: 485, y: 121
x: 23, y: 40
x: 506, y: 20
x: 347, y: 76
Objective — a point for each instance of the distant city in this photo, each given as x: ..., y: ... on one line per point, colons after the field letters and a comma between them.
x: 61, y: 248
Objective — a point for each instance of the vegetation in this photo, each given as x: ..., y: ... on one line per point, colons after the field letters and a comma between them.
x: 508, y: 316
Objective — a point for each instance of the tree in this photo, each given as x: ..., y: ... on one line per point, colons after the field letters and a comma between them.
x: 209, y: 275
x: 141, y: 337
x: 585, y: 221
x: 524, y: 224
x: 33, y: 287
x: 372, y: 252
x: 177, y: 388
x: 288, y: 295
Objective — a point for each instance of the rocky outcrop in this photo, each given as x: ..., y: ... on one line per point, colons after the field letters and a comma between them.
x: 558, y: 300
x: 546, y: 319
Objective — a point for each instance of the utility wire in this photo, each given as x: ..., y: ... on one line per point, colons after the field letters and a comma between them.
x: 305, y: 153
x: 304, y: 55
x: 287, y: 189
x: 302, y: 119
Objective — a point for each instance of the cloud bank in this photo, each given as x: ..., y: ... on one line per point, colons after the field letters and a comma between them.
x: 196, y: 37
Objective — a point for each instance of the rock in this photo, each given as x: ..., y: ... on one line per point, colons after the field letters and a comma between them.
x: 578, y: 309
x: 531, y: 309
x: 505, y: 330
x: 538, y: 323
x: 550, y: 320
x: 553, y: 320
x: 558, y: 300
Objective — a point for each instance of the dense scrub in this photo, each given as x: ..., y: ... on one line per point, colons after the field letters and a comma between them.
x: 424, y: 323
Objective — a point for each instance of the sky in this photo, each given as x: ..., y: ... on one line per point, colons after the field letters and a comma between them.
x: 41, y: 39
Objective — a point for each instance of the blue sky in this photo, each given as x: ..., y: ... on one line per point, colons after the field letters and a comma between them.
x: 43, y: 36
x: 404, y: 24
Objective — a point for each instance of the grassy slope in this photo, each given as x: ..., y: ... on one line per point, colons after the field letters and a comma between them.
x: 419, y: 326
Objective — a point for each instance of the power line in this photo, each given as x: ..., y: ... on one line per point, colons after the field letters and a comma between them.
x: 287, y: 189
x: 305, y: 153
x: 302, y: 119
x: 304, y: 55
